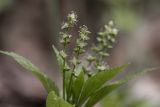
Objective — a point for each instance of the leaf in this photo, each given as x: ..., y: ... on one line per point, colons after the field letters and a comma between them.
x: 55, y: 101
x: 47, y: 82
x: 67, y: 80
x: 58, y: 56
x: 77, y: 86
x: 60, y: 59
x: 97, y: 81
x: 137, y: 74
x: 101, y: 93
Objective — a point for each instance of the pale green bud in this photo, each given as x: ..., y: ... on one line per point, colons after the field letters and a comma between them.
x: 111, y: 23
x: 91, y: 58
x: 115, y: 31
x: 101, y: 68
x: 63, y: 54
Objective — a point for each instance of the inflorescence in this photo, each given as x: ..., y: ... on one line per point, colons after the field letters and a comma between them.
x: 96, y: 59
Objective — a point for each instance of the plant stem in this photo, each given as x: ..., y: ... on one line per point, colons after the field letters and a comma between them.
x: 70, y: 83
x: 64, y: 77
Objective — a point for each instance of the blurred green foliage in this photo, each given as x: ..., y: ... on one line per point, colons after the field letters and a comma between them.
x: 123, y: 13
x: 125, y: 18
x: 122, y: 98
x: 4, y: 4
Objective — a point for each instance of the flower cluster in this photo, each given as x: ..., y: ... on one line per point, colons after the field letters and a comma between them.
x: 80, y: 87
x: 105, y: 41
x: 71, y: 21
x: 65, y: 40
x: 66, y: 26
x: 81, y: 41
x: 95, y: 59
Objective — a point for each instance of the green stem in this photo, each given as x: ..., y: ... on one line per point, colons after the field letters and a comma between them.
x: 64, y: 77
x: 71, y: 78
x: 70, y: 84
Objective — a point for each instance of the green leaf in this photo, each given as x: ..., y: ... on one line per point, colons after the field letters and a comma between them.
x: 54, y: 101
x: 97, y: 81
x: 60, y: 60
x: 67, y: 80
x: 137, y: 74
x: 77, y: 86
x: 47, y: 82
x: 58, y: 56
x: 101, y: 93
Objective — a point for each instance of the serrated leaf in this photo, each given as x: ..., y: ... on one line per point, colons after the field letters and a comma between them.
x: 97, y: 81
x: 47, y: 82
x: 77, y: 86
x: 54, y: 101
x: 101, y: 93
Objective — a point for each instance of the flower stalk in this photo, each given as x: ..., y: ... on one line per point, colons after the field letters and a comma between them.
x: 65, y: 40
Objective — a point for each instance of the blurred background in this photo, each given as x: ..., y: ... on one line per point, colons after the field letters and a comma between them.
x: 30, y: 27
